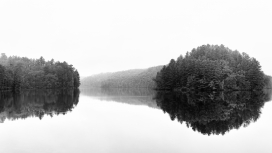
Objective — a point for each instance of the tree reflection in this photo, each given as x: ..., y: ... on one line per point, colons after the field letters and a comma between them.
x: 36, y: 103
x: 213, y: 113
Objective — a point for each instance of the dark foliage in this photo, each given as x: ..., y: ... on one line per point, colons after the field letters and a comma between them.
x: 36, y: 103
x: 211, y: 68
x: 23, y: 73
x: 213, y: 112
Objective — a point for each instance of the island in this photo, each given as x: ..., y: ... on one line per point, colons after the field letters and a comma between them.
x: 212, y: 68
x: 18, y: 73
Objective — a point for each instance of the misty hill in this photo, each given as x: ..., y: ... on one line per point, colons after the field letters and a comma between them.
x: 137, y: 78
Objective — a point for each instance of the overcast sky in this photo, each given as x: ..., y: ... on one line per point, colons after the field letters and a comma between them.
x: 111, y: 35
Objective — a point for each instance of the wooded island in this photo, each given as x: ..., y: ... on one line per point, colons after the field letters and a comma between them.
x: 212, y: 67
x: 23, y: 73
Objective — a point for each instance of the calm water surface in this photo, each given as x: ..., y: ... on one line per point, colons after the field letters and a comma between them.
x: 133, y: 121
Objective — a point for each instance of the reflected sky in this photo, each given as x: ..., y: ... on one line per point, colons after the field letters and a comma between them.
x: 109, y: 126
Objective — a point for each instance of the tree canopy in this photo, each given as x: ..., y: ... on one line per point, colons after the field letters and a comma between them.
x: 211, y: 67
x: 23, y: 73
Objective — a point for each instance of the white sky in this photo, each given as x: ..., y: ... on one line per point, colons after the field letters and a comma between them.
x: 111, y: 35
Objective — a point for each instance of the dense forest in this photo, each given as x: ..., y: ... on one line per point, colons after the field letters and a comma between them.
x: 139, y: 78
x: 213, y: 112
x: 23, y: 73
x: 212, y: 67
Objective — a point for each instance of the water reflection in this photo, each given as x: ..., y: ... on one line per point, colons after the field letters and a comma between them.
x: 131, y: 96
x: 208, y: 113
x: 36, y: 103
x: 213, y: 113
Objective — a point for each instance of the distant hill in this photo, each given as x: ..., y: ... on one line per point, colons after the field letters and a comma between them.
x: 138, y: 78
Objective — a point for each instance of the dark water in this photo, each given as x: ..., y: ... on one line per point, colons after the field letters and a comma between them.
x: 135, y: 120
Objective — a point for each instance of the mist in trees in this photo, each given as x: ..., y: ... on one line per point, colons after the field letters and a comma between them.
x: 213, y: 112
x: 23, y: 73
x: 210, y: 68
x: 138, y: 78
x: 268, y: 82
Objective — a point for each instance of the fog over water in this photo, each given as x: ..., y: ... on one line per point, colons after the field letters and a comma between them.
x: 100, y: 36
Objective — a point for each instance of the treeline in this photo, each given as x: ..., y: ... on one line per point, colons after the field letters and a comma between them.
x: 139, y: 78
x: 212, y: 67
x: 23, y: 73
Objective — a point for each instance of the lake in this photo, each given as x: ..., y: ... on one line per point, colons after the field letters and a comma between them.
x: 134, y: 120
